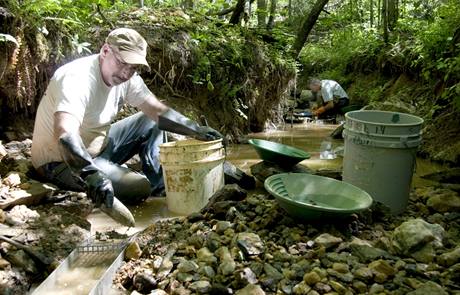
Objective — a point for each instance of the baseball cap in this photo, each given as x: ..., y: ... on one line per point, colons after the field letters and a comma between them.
x: 131, y: 46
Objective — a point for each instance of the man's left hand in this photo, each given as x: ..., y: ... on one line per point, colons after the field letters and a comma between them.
x: 206, y: 133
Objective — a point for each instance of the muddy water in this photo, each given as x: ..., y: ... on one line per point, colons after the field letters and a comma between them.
x: 82, y: 275
x: 306, y: 136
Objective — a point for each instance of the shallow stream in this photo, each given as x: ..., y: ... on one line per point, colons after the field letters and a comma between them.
x: 306, y: 136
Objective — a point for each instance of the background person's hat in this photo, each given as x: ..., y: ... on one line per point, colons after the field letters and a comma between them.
x: 131, y: 46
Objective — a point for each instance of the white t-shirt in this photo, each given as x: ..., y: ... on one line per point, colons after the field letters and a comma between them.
x: 330, y: 90
x: 78, y: 89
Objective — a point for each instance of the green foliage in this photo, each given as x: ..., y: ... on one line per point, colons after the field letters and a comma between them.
x: 332, y: 55
x: 69, y: 13
x: 80, y: 47
x: 425, y: 43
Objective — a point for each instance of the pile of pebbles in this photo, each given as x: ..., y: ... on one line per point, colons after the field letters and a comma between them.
x: 252, y: 246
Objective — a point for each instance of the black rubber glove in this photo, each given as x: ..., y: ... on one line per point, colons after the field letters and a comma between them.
x: 174, y: 121
x: 207, y: 133
x: 99, y: 189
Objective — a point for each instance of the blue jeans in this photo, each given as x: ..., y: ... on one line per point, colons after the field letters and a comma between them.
x: 136, y: 134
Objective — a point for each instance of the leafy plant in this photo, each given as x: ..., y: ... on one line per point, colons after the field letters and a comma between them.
x: 8, y: 38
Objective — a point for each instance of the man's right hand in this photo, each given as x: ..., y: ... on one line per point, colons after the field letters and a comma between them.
x: 99, y: 189
x: 206, y: 133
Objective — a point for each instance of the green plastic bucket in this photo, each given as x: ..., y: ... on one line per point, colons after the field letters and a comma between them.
x: 379, y: 154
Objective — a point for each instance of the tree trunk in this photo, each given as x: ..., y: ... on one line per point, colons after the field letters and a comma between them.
x: 261, y: 13
x: 392, y: 14
x: 385, y: 20
x: 236, y: 15
x: 307, y: 25
x: 290, y: 9
x: 271, y: 19
x: 371, y: 17
x: 379, y: 3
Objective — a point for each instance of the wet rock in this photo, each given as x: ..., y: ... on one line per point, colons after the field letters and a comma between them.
x: 429, y: 288
x: 165, y: 268
x: 33, y: 195
x: 364, y: 273
x: 382, y: 270
x: 251, y: 290
x: 21, y: 260
x: 327, y: 240
x: 234, y: 175
x: 12, y: 179
x: 14, y: 282
x: 311, y: 278
x: 233, y: 214
x: 301, y: 288
x: 344, y: 277
x: 207, y: 271
x: 20, y: 215
x: 285, y: 286
x: 195, y: 216
x: 338, y: 287
x: 272, y: 272
x: 133, y: 251
x: 158, y: 292
x: 230, y: 192
x: 367, y: 253
x: 359, y: 286
x: 447, y: 201
x: 213, y: 241
x: 246, y: 276
x: 227, y: 265
x: 222, y: 226
x: 450, y: 258
x: 322, y: 287
x: 250, y: 243
x: 144, y: 282
x: 263, y: 170
x: 4, y: 264
x: 3, y: 151
x: 201, y: 287
x: 340, y: 267
x: 377, y: 289
x: 426, y: 254
x: 206, y: 256
x: 415, y: 233
x: 187, y: 266
x: 184, y: 277
x: 257, y: 267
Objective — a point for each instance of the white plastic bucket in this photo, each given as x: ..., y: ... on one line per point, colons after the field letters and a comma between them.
x: 193, y: 171
x: 379, y: 154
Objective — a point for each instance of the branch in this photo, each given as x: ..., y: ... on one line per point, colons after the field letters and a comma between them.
x: 173, y: 93
x: 104, y: 19
x: 225, y: 11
